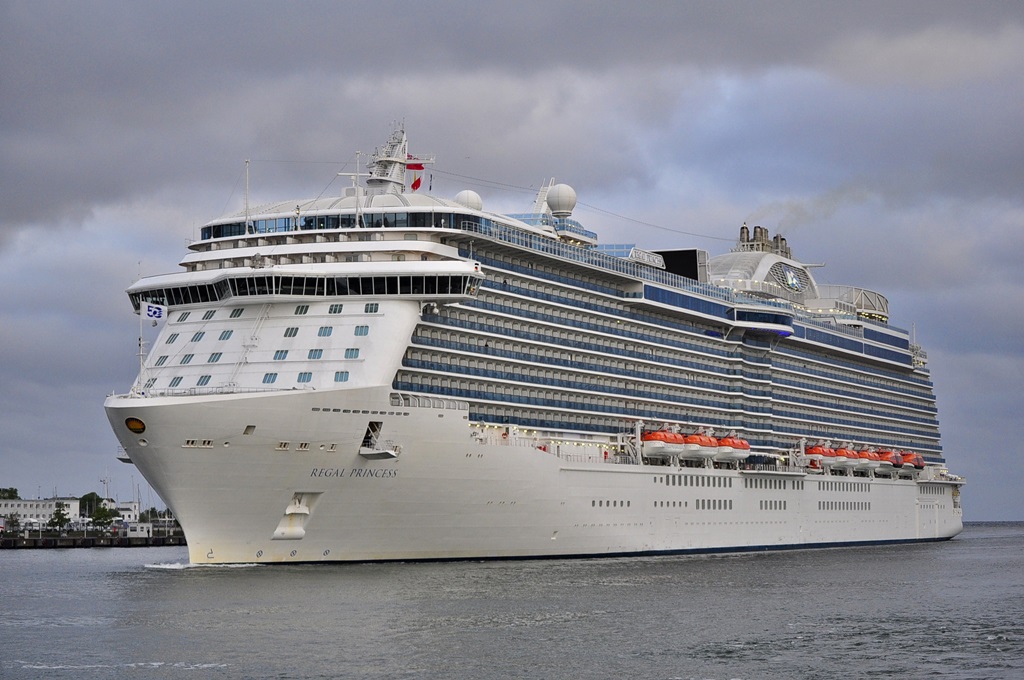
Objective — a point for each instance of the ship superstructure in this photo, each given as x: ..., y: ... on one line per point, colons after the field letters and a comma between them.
x: 389, y: 374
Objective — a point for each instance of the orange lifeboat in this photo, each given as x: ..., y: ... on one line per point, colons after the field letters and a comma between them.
x: 911, y: 459
x: 732, y: 448
x: 816, y: 452
x: 869, y: 460
x: 846, y: 458
x: 699, y: 446
x: 889, y: 460
x: 661, y: 443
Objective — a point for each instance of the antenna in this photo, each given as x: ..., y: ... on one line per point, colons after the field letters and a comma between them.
x: 105, y: 481
x: 355, y: 186
x: 246, y: 195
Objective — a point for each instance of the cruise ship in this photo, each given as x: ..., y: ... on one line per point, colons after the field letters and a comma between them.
x: 393, y: 375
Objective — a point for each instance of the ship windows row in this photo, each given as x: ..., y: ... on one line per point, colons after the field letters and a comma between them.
x: 772, y: 505
x: 586, y: 348
x: 858, y: 487
x: 209, y: 314
x: 932, y: 489
x: 569, y: 381
x: 316, y: 286
x: 763, y: 483
x: 609, y: 504
x: 655, y: 409
x: 369, y: 308
x: 268, y: 379
x: 694, y: 480
x: 366, y: 220
x: 542, y: 358
x: 650, y: 325
x: 637, y: 336
x: 845, y: 506
x: 698, y: 504
x: 290, y: 332
x: 568, y: 413
x: 279, y: 355
x: 713, y: 504
x: 305, y: 377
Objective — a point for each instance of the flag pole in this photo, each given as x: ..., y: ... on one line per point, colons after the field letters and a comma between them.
x: 142, y: 361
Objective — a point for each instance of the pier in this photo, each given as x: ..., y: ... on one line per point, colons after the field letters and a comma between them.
x: 21, y: 543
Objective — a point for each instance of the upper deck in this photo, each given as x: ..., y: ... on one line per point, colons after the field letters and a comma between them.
x: 368, y: 231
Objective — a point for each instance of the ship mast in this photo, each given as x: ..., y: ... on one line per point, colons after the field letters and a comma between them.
x: 388, y: 165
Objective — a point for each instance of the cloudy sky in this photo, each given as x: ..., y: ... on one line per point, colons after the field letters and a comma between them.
x: 882, y: 139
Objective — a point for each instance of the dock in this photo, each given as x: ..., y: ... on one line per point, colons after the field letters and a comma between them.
x: 21, y: 543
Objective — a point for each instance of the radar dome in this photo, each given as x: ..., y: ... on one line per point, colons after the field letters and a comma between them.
x: 470, y: 199
x: 561, y: 199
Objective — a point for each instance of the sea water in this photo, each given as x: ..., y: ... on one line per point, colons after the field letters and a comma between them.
x: 939, y: 610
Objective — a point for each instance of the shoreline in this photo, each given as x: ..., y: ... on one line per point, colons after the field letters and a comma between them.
x: 90, y: 542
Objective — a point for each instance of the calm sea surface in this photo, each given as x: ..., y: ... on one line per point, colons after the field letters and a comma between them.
x: 946, y: 610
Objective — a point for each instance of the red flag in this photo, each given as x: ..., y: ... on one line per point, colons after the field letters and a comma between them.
x: 413, y: 166
x: 416, y: 182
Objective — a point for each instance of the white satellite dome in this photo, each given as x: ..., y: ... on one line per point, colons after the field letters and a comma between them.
x: 470, y: 199
x: 561, y: 199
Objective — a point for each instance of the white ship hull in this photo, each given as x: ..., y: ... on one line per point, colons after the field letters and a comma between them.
x: 454, y: 491
x: 388, y: 375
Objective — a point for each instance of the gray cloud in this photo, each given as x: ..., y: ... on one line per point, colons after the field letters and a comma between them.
x: 881, y: 138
